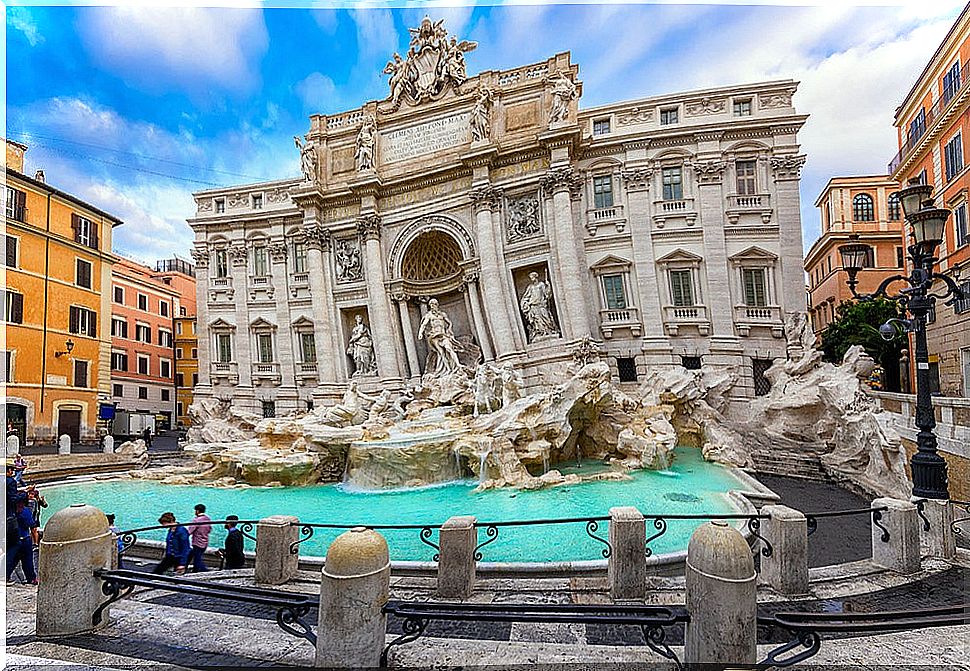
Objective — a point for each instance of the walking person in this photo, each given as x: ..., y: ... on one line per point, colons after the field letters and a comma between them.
x: 146, y: 435
x: 199, y: 529
x: 177, y: 546
x: 22, y: 552
x: 232, y: 553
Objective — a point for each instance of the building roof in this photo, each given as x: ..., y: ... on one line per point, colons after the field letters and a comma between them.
x: 44, y: 186
x: 141, y: 274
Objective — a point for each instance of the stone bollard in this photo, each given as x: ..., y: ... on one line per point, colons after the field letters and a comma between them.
x: 75, y: 543
x: 938, y: 540
x: 13, y: 445
x: 275, y: 564
x: 456, y: 563
x: 722, y: 598
x: 627, y: 566
x: 354, y: 586
x: 108, y: 445
x: 64, y: 444
x: 900, y: 551
x: 786, y: 570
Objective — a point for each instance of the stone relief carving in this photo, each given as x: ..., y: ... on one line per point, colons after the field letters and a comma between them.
x: 585, y: 352
x: 635, y: 115
x: 705, y: 106
x: 709, y: 172
x: 277, y: 196
x: 788, y: 166
x: 480, y: 120
x: 360, y: 347
x: 308, y: 158
x: 523, y: 217
x: 535, y: 306
x: 436, y: 329
x: 433, y: 63
x: 203, y: 204
x: 637, y: 179
x: 347, y: 264
x: 486, y: 197
x: 366, y: 138
x: 238, y: 200
x: 774, y: 100
x: 237, y: 254
x: 564, y: 91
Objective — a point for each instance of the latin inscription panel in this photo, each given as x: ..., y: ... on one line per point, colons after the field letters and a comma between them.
x: 425, y: 138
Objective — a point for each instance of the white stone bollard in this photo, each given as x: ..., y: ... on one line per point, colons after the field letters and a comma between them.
x: 457, y: 539
x: 722, y: 598
x: 108, y: 445
x: 900, y: 551
x: 354, y: 587
x: 75, y: 543
x: 275, y: 564
x: 13, y: 445
x: 64, y: 444
x: 627, y: 564
x: 786, y: 570
x: 938, y: 540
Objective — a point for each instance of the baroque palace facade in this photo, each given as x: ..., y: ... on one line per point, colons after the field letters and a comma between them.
x: 665, y: 228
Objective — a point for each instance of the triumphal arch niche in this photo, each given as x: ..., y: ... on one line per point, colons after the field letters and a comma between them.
x: 665, y: 230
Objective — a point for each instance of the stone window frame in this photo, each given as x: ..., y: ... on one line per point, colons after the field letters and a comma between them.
x: 753, y: 258
x: 673, y: 159
x: 87, y: 373
x: 738, y: 111
x: 256, y: 201
x: 863, y: 207
x: 749, y: 151
x: 139, y: 357
x: 219, y: 205
x: 220, y: 250
x: 162, y: 360
x: 615, y: 265
x: 293, y: 237
x: 259, y: 244
x: 664, y: 110
x: 597, y: 123
x: 261, y: 327
x: 682, y: 259
x: 302, y: 326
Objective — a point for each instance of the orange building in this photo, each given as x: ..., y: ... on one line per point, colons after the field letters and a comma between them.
x: 58, y: 279
x: 864, y: 206
x: 932, y: 123
x: 186, y: 366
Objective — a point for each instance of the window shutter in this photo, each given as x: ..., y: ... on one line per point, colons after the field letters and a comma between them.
x: 74, y: 320
x: 18, y: 308
x: 20, y: 200
x: 93, y: 238
x: 92, y: 323
x: 11, y: 252
x: 76, y: 226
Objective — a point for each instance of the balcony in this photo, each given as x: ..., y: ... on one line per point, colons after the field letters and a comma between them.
x: 266, y: 372
x: 678, y: 316
x: 623, y: 318
x: 748, y: 316
x: 758, y: 203
x: 228, y: 371
x: 605, y: 216
x: 300, y: 285
x: 667, y: 209
x: 260, y: 288
x: 306, y: 371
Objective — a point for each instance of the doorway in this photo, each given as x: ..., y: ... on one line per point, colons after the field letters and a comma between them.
x: 17, y: 421
x: 69, y: 423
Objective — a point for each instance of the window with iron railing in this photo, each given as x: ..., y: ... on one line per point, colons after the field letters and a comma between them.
x: 951, y: 82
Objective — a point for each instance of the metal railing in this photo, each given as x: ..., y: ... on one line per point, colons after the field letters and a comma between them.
x: 812, y: 519
x: 130, y: 537
x: 955, y: 525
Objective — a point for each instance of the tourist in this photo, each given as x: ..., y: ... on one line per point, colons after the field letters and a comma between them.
x: 21, y: 552
x: 112, y: 527
x: 19, y: 466
x: 232, y: 554
x: 200, y: 528
x: 35, y: 501
x: 177, y: 546
x: 146, y: 435
x: 12, y: 488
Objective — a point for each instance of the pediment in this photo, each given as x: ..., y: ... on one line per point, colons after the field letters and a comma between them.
x: 221, y: 325
x: 680, y: 255
x: 260, y: 323
x: 302, y: 322
x: 754, y: 253
x: 611, y: 261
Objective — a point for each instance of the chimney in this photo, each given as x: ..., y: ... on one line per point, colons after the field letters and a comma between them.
x: 39, y: 176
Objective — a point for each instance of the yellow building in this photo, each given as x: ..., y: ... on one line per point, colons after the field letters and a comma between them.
x: 186, y: 367
x: 56, y: 308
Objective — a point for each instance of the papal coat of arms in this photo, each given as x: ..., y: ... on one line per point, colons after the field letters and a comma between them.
x: 434, y: 62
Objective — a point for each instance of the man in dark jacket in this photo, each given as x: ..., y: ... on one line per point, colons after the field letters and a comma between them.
x: 177, y: 547
x: 233, y: 553
x: 22, y: 552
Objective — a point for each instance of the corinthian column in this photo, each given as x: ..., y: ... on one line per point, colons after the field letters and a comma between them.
x: 485, y: 199
x: 321, y: 297
x: 561, y: 182
x: 379, y: 309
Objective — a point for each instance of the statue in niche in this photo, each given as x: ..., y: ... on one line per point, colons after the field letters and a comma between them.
x: 366, y: 138
x: 523, y: 217
x: 535, y: 306
x: 437, y: 330
x: 563, y: 92
x: 347, y: 256
x: 351, y: 410
x: 481, y: 127
x: 361, y: 348
x: 308, y: 158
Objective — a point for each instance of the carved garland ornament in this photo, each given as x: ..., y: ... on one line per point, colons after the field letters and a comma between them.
x: 636, y: 115
x: 637, y: 179
x: 775, y: 100
x: 705, y: 106
x: 204, y: 204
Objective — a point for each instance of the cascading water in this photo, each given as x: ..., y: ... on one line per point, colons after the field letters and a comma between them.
x: 457, y: 461
x: 481, y: 466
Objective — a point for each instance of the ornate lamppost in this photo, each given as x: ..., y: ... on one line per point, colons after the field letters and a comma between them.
x: 927, y: 223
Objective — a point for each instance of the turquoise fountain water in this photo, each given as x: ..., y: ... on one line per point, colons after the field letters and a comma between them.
x: 690, y: 486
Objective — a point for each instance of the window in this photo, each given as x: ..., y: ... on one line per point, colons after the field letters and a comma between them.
x: 179, y: 410
x: 264, y: 347
x: 16, y: 204
x: 603, y: 191
x: 119, y: 361
x: 308, y: 347
x: 179, y: 380
x: 178, y: 328
x: 953, y: 156
x: 220, y: 205
x: 626, y: 368
x: 963, y: 305
x: 668, y: 116
x: 691, y: 362
x: 119, y: 295
x: 755, y: 289
x: 7, y: 366
x: 960, y: 225
x: 601, y: 126
x: 257, y: 201
x: 119, y: 327
x: 80, y: 373
x: 143, y: 393
x: 269, y: 409
x: 223, y: 348
x: 143, y: 302
x: 893, y: 207
x: 951, y: 82
x: 195, y: 353
x: 164, y: 337
x: 673, y: 183
x: 144, y: 365
x: 259, y: 262
x: 165, y: 368
x: 742, y: 107
x: 762, y: 385
x: 747, y: 184
x: 165, y: 394
x: 13, y: 310
x: 182, y: 311
x: 299, y: 257
x: 862, y: 208
x: 221, y: 263
x: 870, y: 260
x: 163, y: 308
x: 117, y: 390
x: 82, y: 273
x: 83, y: 321
x: 681, y: 288
x: 195, y: 379
x: 917, y: 126
x: 899, y: 257
x: 178, y: 352
x: 143, y: 333
x: 11, y: 251
x: 614, y: 292
x: 921, y: 177
x: 85, y: 231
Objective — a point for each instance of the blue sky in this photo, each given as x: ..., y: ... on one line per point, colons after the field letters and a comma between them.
x: 133, y: 107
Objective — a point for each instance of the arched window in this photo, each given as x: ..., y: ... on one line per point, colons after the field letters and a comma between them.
x: 862, y: 209
x: 893, y: 204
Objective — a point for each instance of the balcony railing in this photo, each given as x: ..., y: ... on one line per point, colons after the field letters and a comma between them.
x: 604, y: 214
x: 228, y: 370
x: 757, y: 314
x: 620, y: 318
x: 266, y: 369
x: 685, y: 314
x: 754, y: 202
x: 300, y: 278
x: 674, y: 206
x: 218, y: 282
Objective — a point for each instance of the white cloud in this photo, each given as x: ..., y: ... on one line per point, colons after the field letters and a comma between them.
x: 20, y: 19
x: 318, y: 93
x: 164, y: 48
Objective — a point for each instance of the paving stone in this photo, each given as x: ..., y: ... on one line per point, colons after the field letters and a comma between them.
x: 548, y: 632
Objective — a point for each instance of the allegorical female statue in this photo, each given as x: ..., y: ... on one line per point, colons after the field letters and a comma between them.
x: 364, y: 153
x: 535, y: 307
x: 361, y: 348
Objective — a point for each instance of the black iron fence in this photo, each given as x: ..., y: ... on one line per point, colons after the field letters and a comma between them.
x: 130, y: 537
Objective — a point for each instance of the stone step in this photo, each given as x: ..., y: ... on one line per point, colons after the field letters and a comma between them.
x: 805, y: 466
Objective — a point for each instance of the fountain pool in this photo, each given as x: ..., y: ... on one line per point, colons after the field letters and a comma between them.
x: 690, y: 486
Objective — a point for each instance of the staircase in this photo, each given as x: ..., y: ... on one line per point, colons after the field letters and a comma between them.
x: 790, y: 464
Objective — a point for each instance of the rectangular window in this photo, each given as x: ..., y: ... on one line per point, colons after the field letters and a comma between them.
x: 870, y: 260
x: 143, y: 302
x: 83, y: 321
x: 308, y: 347
x: 626, y: 369
x: 85, y: 231
x: 163, y: 308
x: 691, y: 362
x: 119, y: 361
x: 614, y: 292
x: 221, y: 263
x: 14, y: 308
x: 963, y: 305
x: 601, y: 126
x: 7, y: 367
x: 224, y: 347
x: 143, y: 393
x: 900, y: 262
x: 143, y: 333
x: 179, y: 380
x: 117, y: 390
x: 953, y: 156
x: 80, y: 373
x: 960, y: 225
x: 165, y: 368
x: 178, y: 353
x: 917, y: 127
x: 119, y: 295
x: 182, y: 311
x: 179, y: 411
x: 195, y: 379
x: 16, y: 204
x: 259, y: 262
x: 673, y: 183
x: 195, y: 353
x: 269, y: 409
x: 178, y: 328
x: 668, y: 116
x: 603, y: 191
x: 144, y: 365
x: 747, y: 184
x: 82, y: 273
x: 951, y: 82
x: 264, y: 347
x: 119, y: 327
x: 164, y: 337
x: 742, y: 107
x: 299, y: 257
x: 11, y: 251
x: 220, y: 205
x: 165, y: 394
x: 755, y: 288
x: 681, y: 288
x: 257, y: 201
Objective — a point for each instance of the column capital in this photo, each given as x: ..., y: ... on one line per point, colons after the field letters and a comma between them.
x: 637, y: 179
x: 709, y: 172
x: 200, y: 255
x: 237, y: 253
x: 563, y: 179
x: 486, y: 197
x: 788, y: 167
x: 369, y: 226
x: 317, y: 237
x: 277, y: 251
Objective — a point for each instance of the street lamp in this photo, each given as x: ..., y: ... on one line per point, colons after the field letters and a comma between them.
x: 927, y: 223
x: 69, y: 345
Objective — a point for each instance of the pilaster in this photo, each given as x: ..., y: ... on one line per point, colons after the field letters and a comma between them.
x: 562, y: 182
x: 321, y: 298
x: 379, y: 309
